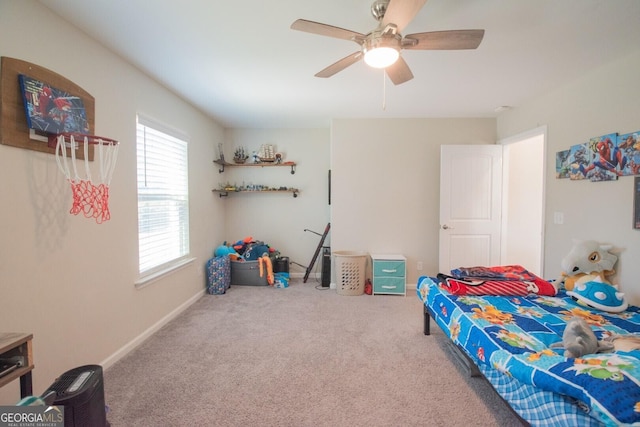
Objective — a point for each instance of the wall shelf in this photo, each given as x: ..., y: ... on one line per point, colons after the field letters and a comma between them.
x: 226, y: 190
x: 225, y: 193
x: 224, y: 164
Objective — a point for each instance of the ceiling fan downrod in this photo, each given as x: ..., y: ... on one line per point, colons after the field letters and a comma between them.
x: 378, y: 9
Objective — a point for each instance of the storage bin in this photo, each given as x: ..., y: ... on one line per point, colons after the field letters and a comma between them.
x: 350, y: 272
x: 248, y: 273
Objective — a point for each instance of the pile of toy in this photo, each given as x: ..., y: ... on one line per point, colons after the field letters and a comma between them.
x: 250, y: 249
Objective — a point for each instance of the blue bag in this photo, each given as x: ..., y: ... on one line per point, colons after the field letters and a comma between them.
x: 218, y: 275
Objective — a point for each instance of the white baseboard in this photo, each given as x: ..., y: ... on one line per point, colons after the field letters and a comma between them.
x: 131, y: 345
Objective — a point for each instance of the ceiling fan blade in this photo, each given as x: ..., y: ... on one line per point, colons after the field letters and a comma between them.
x: 444, y: 40
x: 340, y: 65
x: 325, y: 30
x: 399, y: 72
x: 402, y: 12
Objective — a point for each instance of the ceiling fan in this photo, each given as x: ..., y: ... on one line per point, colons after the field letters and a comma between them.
x: 381, y: 47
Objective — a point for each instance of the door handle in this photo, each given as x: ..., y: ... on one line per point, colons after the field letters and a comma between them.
x: 446, y: 227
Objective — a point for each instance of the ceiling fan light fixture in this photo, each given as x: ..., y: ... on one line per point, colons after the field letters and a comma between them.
x: 381, y: 57
x: 382, y: 48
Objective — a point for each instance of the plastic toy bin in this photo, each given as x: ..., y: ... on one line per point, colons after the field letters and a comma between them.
x: 247, y: 273
x: 350, y: 272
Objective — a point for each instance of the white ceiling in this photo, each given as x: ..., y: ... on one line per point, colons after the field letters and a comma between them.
x: 240, y: 62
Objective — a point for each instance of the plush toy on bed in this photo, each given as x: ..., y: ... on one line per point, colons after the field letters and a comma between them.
x: 578, y: 339
x: 599, y: 295
x: 587, y: 261
x: 629, y: 342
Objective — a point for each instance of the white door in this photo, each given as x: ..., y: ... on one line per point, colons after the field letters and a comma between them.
x: 470, y: 205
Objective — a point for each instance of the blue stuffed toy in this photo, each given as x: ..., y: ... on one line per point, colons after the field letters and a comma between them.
x: 599, y: 295
x: 226, y: 250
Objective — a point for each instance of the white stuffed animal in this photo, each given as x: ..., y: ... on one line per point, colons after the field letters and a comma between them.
x: 587, y: 258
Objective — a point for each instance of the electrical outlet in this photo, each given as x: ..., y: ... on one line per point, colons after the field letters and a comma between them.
x: 419, y: 266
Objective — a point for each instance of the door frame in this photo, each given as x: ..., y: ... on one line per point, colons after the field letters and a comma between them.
x: 540, y: 131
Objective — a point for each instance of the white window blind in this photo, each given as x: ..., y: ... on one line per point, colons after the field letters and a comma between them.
x: 163, y: 198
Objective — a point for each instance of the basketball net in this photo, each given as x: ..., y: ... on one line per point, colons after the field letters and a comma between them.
x: 90, y: 196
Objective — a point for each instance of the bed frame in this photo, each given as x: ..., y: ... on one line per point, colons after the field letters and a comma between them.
x: 458, y: 352
x: 467, y: 362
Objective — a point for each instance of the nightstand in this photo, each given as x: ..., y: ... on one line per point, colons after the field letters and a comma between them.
x: 389, y: 274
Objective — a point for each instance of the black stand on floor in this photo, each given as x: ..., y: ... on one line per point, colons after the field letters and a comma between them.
x: 315, y: 255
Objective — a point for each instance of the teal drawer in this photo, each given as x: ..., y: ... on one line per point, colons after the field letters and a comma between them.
x: 388, y: 285
x: 388, y: 268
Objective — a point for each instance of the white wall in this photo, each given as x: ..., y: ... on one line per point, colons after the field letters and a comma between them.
x: 604, y: 100
x: 386, y: 184
x: 66, y: 279
x: 279, y: 219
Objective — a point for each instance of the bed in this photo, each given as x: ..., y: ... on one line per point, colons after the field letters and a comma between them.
x: 509, y: 338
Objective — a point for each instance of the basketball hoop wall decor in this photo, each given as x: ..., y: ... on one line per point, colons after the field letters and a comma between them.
x: 43, y: 111
x: 91, y: 190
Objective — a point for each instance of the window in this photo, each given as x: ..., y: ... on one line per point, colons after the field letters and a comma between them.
x: 163, y: 198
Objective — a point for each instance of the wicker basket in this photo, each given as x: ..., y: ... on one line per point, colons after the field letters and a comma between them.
x: 350, y: 272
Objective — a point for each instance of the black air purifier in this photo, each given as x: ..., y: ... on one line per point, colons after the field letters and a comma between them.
x: 81, y: 392
x: 326, y: 267
x: 281, y: 265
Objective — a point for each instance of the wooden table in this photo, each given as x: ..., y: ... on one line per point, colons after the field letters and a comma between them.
x: 17, y: 346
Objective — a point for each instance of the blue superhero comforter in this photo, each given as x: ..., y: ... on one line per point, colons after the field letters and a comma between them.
x: 514, y: 335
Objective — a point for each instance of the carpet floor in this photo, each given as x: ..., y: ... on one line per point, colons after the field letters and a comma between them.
x: 300, y: 356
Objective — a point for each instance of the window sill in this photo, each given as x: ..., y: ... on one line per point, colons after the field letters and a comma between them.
x: 148, y: 279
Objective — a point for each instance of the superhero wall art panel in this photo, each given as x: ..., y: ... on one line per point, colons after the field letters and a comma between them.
x: 563, y: 167
x: 579, y: 160
x: 51, y: 110
x: 629, y: 145
x: 602, y: 158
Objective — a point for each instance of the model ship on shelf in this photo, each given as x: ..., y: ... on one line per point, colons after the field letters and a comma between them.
x: 240, y: 156
x: 266, y: 153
